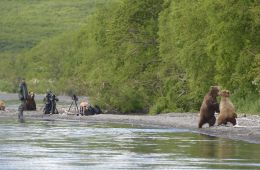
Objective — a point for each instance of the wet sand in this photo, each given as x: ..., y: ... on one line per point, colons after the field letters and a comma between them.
x: 247, y: 129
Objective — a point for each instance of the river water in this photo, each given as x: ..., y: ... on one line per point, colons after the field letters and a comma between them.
x: 73, y: 145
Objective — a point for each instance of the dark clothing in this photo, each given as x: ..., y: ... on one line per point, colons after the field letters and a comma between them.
x: 23, y: 96
x: 21, y: 109
x: 23, y: 92
x: 50, y: 103
x: 90, y: 110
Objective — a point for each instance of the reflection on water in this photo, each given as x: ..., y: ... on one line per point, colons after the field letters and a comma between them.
x: 80, y: 145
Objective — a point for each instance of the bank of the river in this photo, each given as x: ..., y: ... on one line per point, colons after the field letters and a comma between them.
x: 248, y: 128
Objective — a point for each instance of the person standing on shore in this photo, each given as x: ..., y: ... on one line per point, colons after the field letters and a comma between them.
x: 23, y: 96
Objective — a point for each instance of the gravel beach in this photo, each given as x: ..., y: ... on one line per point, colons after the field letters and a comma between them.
x: 247, y: 129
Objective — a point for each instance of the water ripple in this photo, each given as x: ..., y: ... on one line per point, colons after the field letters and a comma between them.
x: 78, y: 145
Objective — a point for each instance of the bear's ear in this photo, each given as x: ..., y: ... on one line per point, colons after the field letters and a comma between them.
x: 211, y: 87
x: 215, y: 87
x: 228, y: 92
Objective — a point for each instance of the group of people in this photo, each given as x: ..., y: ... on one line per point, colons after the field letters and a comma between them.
x: 209, y: 106
x: 28, y: 103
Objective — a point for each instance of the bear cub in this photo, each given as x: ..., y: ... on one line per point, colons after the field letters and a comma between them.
x: 227, y: 109
x: 209, y: 107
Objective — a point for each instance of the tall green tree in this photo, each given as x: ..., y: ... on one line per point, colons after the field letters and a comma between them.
x: 152, y: 55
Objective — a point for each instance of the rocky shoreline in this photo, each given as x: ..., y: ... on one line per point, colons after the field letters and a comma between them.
x: 247, y: 129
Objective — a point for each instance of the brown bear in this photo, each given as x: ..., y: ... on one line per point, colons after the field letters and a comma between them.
x: 83, y: 107
x: 227, y: 109
x: 209, y: 107
x: 2, y: 105
x: 30, y: 102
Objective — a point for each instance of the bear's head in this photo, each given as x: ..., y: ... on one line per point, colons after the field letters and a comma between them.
x: 31, y: 94
x: 214, y: 90
x: 84, y: 104
x: 224, y: 93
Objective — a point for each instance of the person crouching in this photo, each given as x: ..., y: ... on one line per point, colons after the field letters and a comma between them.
x: 87, y: 109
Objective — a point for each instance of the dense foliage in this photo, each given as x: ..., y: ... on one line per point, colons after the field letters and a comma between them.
x: 25, y: 23
x: 151, y: 55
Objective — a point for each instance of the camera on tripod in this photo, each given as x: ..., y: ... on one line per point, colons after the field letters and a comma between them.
x: 74, y: 101
x: 74, y: 97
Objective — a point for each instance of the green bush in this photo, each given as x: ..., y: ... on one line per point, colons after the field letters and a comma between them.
x: 6, y: 86
x: 248, y: 104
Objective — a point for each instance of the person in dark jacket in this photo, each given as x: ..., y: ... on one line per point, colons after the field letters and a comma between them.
x: 50, y: 103
x: 23, y: 96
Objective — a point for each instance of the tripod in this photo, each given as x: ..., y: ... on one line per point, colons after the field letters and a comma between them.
x: 74, y: 101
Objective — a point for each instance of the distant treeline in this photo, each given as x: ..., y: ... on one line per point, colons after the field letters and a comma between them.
x: 152, y: 55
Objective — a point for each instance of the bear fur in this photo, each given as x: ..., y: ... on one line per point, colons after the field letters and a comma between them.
x: 83, y: 107
x: 209, y: 107
x: 2, y: 105
x: 227, y: 109
x: 87, y: 109
x: 30, y: 102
